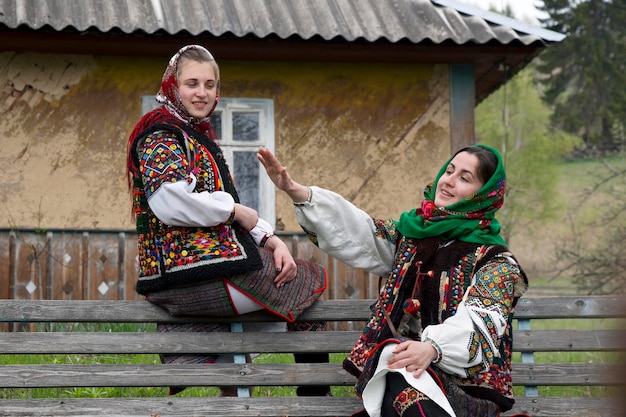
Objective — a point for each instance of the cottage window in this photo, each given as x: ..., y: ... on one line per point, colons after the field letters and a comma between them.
x: 242, y: 125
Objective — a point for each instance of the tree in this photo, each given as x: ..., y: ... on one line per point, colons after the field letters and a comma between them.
x: 593, y: 254
x: 515, y: 121
x: 585, y: 75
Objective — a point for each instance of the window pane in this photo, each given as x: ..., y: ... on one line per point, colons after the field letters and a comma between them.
x: 246, y: 175
x: 216, y: 124
x: 246, y: 127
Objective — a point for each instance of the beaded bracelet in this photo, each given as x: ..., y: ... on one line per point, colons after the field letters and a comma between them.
x: 231, y: 218
x: 265, y: 239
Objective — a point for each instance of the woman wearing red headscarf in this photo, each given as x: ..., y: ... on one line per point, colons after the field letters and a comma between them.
x: 201, y: 252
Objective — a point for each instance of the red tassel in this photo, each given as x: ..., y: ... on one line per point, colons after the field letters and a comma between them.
x: 411, y: 306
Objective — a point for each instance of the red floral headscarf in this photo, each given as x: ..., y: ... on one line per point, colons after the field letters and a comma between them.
x: 168, y: 94
x: 172, y: 108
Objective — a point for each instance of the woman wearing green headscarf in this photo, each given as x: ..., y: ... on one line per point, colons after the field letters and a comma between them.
x: 439, y: 339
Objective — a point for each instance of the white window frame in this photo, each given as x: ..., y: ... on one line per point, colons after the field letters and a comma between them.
x: 227, y: 107
x: 229, y: 145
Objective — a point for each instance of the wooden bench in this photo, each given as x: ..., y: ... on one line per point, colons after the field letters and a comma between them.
x: 347, y: 314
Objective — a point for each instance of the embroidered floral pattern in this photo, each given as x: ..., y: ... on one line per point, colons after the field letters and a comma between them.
x: 427, y: 209
x: 494, y: 291
x: 406, y: 398
x: 161, y: 161
x: 473, y: 346
x: 386, y: 229
x: 457, y: 285
x: 148, y: 255
x: 372, y: 329
x: 202, y: 246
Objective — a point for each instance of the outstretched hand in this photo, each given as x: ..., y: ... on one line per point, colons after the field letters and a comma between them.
x: 280, y: 177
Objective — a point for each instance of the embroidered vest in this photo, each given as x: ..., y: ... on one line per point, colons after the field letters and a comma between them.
x: 173, y: 255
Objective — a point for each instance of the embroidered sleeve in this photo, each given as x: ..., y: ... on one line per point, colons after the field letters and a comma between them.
x: 470, y: 339
x: 169, y: 186
x: 346, y: 232
x: 162, y: 160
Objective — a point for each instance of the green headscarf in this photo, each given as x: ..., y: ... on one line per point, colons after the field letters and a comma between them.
x: 470, y: 220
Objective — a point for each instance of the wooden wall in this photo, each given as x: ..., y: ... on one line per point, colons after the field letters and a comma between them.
x: 101, y: 265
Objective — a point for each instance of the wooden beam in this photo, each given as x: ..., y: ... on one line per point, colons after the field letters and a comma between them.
x: 462, y: 103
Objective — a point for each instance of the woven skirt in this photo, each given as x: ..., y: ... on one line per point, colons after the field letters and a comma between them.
x: 211, y: 298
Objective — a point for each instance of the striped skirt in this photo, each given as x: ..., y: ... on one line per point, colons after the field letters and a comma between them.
x: 211, y: 298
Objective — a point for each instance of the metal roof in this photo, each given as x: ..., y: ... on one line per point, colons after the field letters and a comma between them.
x: 400, y: 31
x: 392, y: 21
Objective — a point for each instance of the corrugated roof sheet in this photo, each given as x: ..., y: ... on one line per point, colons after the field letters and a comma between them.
x: 415, y: 21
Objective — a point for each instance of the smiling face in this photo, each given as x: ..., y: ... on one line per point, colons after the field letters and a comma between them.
x: 459, y: 181
x: 197, y: 87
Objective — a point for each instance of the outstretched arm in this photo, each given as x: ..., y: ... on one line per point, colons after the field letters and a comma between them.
x: 339, y: 228
x: 280, y: 177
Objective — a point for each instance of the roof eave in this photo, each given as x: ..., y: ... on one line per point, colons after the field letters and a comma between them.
x: 485, y: 57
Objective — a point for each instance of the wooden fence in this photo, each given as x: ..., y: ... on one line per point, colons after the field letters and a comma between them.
x: 101, y: 265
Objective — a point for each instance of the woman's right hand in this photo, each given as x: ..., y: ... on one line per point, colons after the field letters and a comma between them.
x: 246, y: 217
x: 280, y: 177
x: 413, y: 355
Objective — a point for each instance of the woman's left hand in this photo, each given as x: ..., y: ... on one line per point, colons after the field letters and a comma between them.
x: 283, y: 259
x: 414, y: 356
x: 280, y: 177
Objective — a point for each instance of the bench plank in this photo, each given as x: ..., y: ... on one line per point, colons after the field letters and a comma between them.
x: 114, y: 311
x: 568, y: 374
x: 255, y: 374
x: 151, y: 375
x: 567, y: 407
x: 183, y: 407
x: 272, y: 406
x: 250, y: 342
x: 571, y: 307
x: 568, y: 340
x: 133, y: 343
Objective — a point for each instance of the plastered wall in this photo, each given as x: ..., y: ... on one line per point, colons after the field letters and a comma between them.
x: 375, y: 133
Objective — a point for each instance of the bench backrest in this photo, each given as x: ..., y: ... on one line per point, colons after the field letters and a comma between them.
x: 350, y: 315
